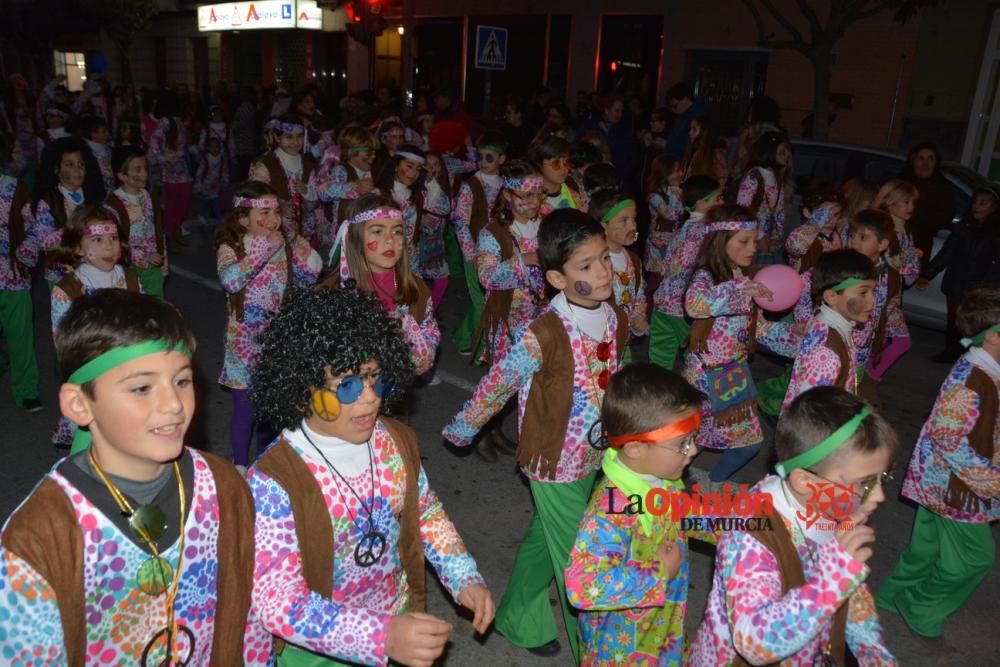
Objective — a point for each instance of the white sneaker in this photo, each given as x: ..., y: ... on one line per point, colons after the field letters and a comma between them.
x: 433, y: 380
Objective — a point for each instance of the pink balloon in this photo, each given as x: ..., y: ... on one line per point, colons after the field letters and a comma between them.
x: 784, y: 282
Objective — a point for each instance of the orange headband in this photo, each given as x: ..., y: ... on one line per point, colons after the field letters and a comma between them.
x: 673, y: 430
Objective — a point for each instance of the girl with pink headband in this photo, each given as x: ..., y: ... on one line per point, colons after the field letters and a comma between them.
x: 257, y: 263
x: 91, y: 244
x: 372, y: 252
x: 725, y: 329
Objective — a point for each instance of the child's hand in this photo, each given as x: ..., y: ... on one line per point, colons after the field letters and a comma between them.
x: 156, y: 259
x: 301, y: 188
x: 638, y: 323
x: 755, y: 289
x: 530, y: 258
x: 275, y: 237
x: 364, y: 186
x: 854, y: 541
x: 671, y: 555
x: 478, y: 600
x: 416, y: 639
x: 922, y: 283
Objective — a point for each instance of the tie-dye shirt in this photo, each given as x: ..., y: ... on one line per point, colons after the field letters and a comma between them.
x: 352, y: 625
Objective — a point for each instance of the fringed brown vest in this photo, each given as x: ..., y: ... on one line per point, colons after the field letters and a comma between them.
x: 73, y: 288
x: 279, y: 179
x: 313, y: 528
x: 959, y: 495
x: 44, y: 532
x: 496, y: 310
x: 839, y: 346
x: 15, y: 227
x: 479, y: 216
x: 550, y: 399
x: 893, y: 287
x: 345, y: 204
x: 779, y: 542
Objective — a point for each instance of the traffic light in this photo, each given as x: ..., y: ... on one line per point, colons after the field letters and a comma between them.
x: 365, y: 21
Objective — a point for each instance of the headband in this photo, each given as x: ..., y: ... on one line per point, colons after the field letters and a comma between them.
x: 113, y: 358
x: 690, y: 209
x: 411, y: 156
x: 357, y: 219
x: 980, y: 337
x: 286, y: 128
x: 526, y: 183
x: 676, y: 429
x: 848, y: 282
x: 100, y: 228
x: 268, y: 201
x: 616, y: 209
x: 828, y: 446
x: 359, y: 149
x: 732, y: 225
x: 492, y: 148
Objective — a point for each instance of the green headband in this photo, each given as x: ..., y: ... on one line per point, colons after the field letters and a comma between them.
x: 359, y: 149
x: 980, y: 337
x: 490, y: 147
x: 829, y: 445
x: 706, y: 198
x: 113, y: 358
x: 616, y: 209
x: 848, y: 282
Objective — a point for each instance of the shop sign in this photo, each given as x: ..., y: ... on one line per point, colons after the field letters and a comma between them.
x: 260, y: 14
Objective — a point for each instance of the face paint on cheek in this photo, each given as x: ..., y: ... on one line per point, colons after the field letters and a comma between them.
x: 90, y: 255
x: 583, y: 288
x: 855, y: 306
x: 372, y: 246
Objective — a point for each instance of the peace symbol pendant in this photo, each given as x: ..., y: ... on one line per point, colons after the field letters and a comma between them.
x: 171, y: 641
x: 154, y: 576
x: 370, y: 549
x: 596, y: 436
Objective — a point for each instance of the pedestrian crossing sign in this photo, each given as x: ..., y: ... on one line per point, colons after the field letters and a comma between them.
x: 491, y: 47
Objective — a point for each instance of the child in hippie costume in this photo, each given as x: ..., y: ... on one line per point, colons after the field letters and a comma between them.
x: 286, y: 169
x: 117, y: 556
x: 727, y: 326
x: 559, y: 366
x: 843, y: 284
x: 628, y: 572
x: 346, y: 518
x: 954, y: 478
x: 140, y: 216
x: 763, y: 191
x: 668, y: 325
x: 256, y: 266
x: 551, y: 154
x: 793, y: 591
x: 344, y: 174
x: 373, y: 253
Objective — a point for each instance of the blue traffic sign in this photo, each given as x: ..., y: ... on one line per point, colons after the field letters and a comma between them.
x: 491, y: 47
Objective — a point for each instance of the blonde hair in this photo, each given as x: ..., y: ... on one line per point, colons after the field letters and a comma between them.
x: 895, y: 191
x: 355, y: 136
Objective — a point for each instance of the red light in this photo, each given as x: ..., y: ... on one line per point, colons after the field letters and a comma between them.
x: 614, y: 65
x: 352, y: 15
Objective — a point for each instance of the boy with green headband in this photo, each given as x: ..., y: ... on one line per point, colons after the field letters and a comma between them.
x: 843, y: 284
x: 795, y: 593
x: 628, y: 571
x: 954, y: 478
x: 116, y: 555
x: 616, y: 212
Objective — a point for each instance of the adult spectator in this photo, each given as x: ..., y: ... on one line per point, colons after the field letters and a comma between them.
x: 246, y: 130
x: 684, y: 106
x: 936, y: 205
x: 623, y: 147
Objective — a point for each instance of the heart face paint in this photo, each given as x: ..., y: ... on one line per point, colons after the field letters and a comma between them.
x: 583, y: 288
x: 372, y: 245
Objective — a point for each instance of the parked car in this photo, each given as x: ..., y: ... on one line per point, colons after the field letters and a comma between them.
x: 840, y: 162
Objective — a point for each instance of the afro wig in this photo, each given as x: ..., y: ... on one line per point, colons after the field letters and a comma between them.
x: 324, y: 330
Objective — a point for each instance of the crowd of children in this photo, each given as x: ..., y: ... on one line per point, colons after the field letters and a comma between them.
x: 334, y: 257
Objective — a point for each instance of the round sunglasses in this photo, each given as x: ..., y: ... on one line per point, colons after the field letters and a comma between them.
x: 349, y: 389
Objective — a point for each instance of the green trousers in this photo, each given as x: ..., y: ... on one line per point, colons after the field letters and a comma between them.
x: 17, y: 329
x: 666, y: 336
x: 293, y: 656
x: 524, y: 615
x: 466, y: 331
x: 944, y: 563
x: 453, y: 253
x: 151, y: 279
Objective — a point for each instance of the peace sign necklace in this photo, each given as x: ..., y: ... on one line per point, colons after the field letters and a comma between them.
x: 372, y: 545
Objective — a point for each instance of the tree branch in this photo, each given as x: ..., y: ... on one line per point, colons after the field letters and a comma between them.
x: 785, y: 23
x: 810, y: 15
x: 797, y: 43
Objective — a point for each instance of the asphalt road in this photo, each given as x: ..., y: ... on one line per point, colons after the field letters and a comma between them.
x: 490, y: 504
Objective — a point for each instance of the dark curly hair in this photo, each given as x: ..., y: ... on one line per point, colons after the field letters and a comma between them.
x: 319, y: 331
